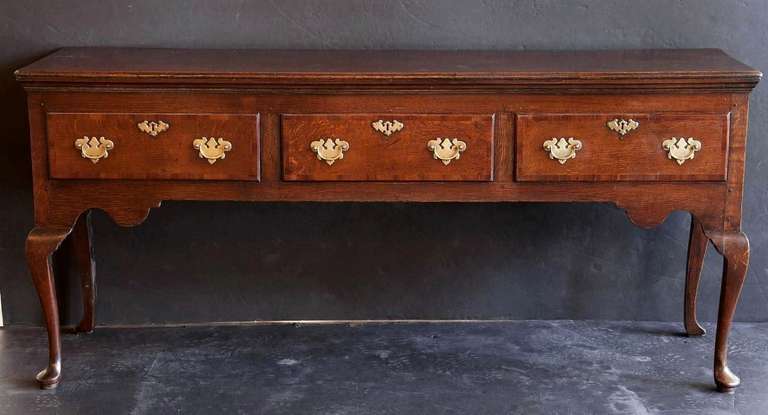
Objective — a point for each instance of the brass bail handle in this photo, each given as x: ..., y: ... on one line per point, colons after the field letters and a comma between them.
x: 446, y: 149
x: 329, y: 149
x: 93, y: 148
x: 212, y: 149
x: 562, y: 149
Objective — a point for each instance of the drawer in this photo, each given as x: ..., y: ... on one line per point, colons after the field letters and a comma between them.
x: 387, y: 147
x: 621, y: 147
x: 153, y: 146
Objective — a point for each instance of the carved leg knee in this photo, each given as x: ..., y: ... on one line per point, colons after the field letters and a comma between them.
x: 734, y: 246
x: 41, y: 243
x: 697, y: 249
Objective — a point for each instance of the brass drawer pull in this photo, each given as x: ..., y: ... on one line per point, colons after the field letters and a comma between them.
x: 212, y: 149
x: 329, y: 149
x: 153, y: 128
x: 622, y: 126
x: 94, y: 149
x: 446, y: 149
x: 562, y: 149
x: 387, y: 127
x: 681, y: 149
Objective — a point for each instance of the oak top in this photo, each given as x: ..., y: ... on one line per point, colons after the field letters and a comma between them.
x: 705, y: 68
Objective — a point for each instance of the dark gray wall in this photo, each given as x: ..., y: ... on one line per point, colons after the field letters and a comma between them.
x: 372, y: 261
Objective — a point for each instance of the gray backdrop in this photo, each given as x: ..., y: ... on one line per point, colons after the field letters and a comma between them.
x: 380, y: 261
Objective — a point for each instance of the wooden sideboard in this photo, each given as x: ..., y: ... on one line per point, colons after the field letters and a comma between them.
x: 651, y: 131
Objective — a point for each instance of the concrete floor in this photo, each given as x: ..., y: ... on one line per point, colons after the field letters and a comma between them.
x: 527, y: 367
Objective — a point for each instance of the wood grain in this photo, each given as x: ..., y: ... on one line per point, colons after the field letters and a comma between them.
x: 638, y: 156
x: 137, y: 155
x: 373, y: 156
x: 655, y: 69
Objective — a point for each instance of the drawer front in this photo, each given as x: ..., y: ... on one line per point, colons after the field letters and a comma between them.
x: 153, y: 146
x: 616, y: 147
x: 387, y: 147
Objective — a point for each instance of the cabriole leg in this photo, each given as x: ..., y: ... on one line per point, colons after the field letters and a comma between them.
x: 41, y: 243
x: 734, y: 246
x: 697, y: 249
x: 81, y: 254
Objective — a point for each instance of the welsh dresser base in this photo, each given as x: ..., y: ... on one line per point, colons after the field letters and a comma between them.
x: 652, y: 131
